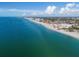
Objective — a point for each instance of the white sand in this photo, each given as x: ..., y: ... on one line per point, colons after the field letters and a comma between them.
x: 72, y: 34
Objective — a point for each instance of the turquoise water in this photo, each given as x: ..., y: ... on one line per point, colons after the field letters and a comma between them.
x: 20, y: 37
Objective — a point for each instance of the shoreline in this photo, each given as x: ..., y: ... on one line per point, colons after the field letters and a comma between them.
x: 48, y: 26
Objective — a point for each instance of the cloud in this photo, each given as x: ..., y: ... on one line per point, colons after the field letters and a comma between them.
x: 62, y: 10
x: 19, y: 10
x: 50, y: 9
x: 12, y: 10
x: 37, y: 13
x: 66, y: 8
x: 69, y: 9
x: 34, y: 13
x: 70, y: 5
x: 72, y: 11
x: 15, y: 10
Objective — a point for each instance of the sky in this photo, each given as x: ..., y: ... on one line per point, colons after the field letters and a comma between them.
x: 53, y: 9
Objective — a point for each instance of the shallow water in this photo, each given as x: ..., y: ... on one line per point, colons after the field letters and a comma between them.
x: 21, y: 37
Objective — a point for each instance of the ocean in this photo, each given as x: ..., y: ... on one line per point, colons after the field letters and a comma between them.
x: 20, y: 37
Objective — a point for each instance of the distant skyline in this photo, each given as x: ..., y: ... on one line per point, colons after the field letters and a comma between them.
x: 54, y: 9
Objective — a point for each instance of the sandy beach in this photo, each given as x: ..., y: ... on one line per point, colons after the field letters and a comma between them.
x: 72, y: 34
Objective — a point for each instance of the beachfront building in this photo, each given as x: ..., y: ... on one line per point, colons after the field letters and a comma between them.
x: 62, y: 26
x: 38, y: 19
x: 65, y: 25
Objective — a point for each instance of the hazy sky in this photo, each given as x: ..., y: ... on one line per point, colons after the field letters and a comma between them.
x: 39, y: 9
